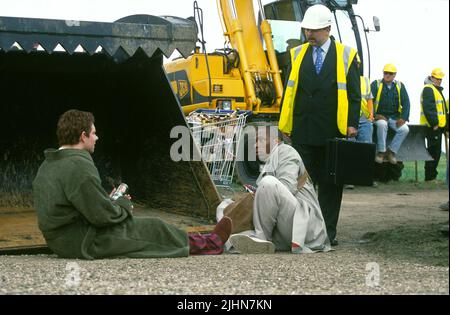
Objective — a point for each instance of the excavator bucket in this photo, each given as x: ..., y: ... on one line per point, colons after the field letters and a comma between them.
x: 412, y: 149
x: 114, y: 70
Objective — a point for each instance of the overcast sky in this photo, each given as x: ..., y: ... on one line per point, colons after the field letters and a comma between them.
x: 414, y: 33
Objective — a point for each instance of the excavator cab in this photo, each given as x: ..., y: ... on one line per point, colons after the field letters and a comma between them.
x: 285, y: 17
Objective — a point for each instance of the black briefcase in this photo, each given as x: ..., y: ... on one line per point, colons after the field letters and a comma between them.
x: 351, y: 162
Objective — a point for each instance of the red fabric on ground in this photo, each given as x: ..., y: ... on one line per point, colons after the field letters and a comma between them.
x: 205, y: 244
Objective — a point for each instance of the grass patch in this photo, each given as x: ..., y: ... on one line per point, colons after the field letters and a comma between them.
x: 409, y: 172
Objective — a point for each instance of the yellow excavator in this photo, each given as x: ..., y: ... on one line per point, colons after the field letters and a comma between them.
x: 248, y: 74
x: 240, y: 77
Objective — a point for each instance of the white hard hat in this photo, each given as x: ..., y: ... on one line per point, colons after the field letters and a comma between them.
x: 316, y: 17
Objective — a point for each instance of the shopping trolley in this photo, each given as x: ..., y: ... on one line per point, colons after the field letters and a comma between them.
x: 217, y: 134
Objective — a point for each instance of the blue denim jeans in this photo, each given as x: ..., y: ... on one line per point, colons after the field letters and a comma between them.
x: 382, y: 130
x: 365, y: 130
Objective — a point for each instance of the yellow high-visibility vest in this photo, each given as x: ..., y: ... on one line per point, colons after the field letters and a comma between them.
x: 365, y: 95
x: 398, y: 85
x: 440, y: 108
x: 345, y: 57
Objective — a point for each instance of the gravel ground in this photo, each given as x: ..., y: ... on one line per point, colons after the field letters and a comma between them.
x: 341, y: 272
x: 387, y: 249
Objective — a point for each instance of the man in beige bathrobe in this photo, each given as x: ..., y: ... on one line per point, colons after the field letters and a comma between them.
x: 286, y: 211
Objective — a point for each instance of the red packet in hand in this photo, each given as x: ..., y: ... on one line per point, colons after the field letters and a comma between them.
x: 250, y: 188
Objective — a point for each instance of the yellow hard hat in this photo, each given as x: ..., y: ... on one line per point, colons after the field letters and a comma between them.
x: 390, y: 68
x: 437, y: 73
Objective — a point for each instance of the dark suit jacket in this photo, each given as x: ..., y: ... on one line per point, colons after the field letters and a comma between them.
x: 315, y: 112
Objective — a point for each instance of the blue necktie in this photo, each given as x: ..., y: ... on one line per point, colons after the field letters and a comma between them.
x: 319, y: 59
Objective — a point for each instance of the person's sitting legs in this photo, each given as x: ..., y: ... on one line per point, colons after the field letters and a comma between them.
x: 273, y: 212
x: 382, y: 130
x: 400, y: 135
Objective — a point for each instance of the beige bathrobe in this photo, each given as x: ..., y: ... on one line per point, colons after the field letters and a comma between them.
x: 286, y: 210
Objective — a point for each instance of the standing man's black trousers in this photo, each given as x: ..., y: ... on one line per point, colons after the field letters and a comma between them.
x: 434, y: 143
x: 330, y: 194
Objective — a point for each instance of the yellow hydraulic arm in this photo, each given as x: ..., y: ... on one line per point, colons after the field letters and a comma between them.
x: 242, y: 31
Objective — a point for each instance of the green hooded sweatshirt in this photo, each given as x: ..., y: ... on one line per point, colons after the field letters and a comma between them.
x: 79, y: 220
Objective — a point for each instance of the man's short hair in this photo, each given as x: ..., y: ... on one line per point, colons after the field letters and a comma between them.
x: 71, y: 125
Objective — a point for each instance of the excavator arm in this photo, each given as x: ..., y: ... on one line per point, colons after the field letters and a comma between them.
x: 256, y: 68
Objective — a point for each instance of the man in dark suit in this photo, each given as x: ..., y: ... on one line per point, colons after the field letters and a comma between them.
x: 322, y: 101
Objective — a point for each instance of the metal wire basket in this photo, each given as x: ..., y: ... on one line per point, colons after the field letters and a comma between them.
x: 217, y: 134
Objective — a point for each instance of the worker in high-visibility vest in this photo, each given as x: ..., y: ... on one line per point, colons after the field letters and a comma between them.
x: 365, y: 128
x: 391, y: 112
x: 433, y: 114
x: 322, y: 101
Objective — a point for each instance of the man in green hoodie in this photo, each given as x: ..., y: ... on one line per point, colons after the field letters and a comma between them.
x: 79, y: 219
